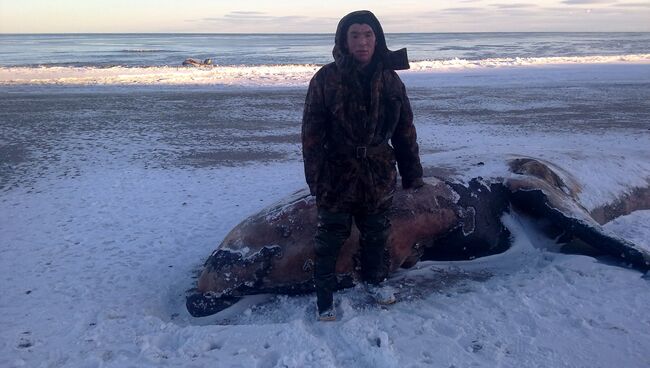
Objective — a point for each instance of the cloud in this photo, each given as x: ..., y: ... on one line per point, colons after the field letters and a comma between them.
x: 467, y: 9
x: 261, y: 22
x: 513, y: 6
x: 587, y: 2
x: 632, y: 5
x: 253, y: 16
x: 242, y: 16
x: 247, y: 15
x: 247, y: 12
x: 498, y: 16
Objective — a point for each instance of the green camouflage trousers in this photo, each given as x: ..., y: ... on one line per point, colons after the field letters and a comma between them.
x: 333, y: 229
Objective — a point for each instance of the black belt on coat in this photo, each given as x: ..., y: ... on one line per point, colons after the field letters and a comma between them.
x: 361, y: 152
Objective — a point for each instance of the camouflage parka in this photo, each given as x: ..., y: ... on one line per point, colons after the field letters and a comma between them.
x: 357, y: 125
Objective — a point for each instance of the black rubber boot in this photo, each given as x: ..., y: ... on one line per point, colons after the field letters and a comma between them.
x: 333, y: 230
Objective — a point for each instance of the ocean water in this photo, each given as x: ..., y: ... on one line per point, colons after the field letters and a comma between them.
x: 156, y: 50
x: 290, y: 58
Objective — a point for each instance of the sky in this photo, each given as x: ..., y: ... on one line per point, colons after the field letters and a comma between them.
x: 259, y: 16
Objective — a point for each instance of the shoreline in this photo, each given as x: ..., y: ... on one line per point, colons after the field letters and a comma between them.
x: 297, y: 76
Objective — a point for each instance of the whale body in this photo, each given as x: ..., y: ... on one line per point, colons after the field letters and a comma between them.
x: 273, y: 250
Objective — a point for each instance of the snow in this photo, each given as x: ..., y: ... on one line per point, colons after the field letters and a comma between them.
x: 273, y: 75
x: 103, y: 230
x: 634, y: 227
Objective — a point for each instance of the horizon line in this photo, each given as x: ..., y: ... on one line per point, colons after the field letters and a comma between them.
x: 289, y: 33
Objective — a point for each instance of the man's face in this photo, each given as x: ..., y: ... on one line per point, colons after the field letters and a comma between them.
x: 361, y: 43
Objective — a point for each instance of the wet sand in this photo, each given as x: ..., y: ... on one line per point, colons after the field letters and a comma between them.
x: 54, y: 131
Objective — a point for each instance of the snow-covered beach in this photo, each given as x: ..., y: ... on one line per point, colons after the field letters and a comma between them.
x: 112, y: 197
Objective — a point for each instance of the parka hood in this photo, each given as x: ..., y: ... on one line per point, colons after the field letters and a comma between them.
x: 395, y: 60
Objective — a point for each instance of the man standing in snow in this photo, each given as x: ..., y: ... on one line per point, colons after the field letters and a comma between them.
x: 357, y: 124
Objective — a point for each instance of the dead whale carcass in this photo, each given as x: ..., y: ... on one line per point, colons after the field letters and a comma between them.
x: 272, y: 252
